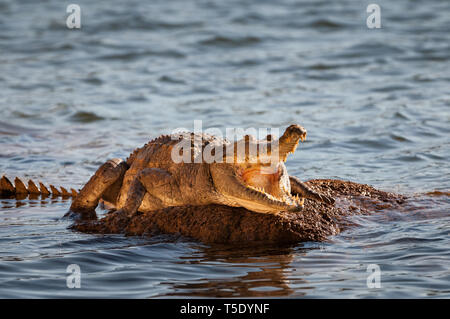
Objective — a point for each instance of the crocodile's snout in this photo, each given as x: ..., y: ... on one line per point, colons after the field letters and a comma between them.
x: 290, y: 139
x: 296, y: 130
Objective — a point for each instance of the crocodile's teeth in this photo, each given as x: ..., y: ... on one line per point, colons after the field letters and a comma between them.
x: 284, y: 198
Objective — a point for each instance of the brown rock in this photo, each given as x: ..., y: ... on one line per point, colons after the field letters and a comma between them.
x: 223, y: 224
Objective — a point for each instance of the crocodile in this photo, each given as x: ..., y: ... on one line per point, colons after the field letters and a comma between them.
x: 252, y: 176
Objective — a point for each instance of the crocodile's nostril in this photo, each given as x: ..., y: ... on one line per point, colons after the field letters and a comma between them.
x: 295, y: 128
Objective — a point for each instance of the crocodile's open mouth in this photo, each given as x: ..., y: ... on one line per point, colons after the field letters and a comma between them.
x: 270, y: 181
x: 262, y: 183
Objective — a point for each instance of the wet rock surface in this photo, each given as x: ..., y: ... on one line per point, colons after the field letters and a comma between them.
x: 223, y: 224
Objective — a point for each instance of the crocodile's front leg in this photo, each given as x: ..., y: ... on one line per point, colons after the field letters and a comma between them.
x: 157, y: 186
x: 300, y: 188
x: 87, y: 200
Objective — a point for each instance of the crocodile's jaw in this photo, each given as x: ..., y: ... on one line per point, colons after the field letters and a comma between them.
x: 255, y: 188
x: 254, y: 176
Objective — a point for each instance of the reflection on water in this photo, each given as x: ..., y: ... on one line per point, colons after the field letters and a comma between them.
x: 375, y: 104
x: 266, y: 276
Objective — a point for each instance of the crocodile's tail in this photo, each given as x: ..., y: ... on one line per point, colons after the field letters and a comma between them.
x: 7, y: 188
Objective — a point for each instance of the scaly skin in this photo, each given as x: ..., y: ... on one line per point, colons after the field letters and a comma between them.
x: 150, y: 179
x: 252, y: 175
x: 19, y: 190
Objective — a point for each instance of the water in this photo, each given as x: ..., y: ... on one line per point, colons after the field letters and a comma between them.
x: 375, y: 104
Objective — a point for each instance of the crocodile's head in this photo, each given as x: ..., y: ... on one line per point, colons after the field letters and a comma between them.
x: 254, y: 176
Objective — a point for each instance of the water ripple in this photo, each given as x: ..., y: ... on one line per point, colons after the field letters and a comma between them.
x: 375, y: 104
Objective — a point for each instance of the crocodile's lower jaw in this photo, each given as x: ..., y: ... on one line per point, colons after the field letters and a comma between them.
x: 282, y: 196
x: 257, y: 207
x: 250, y: 205
x: 267, y: 180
